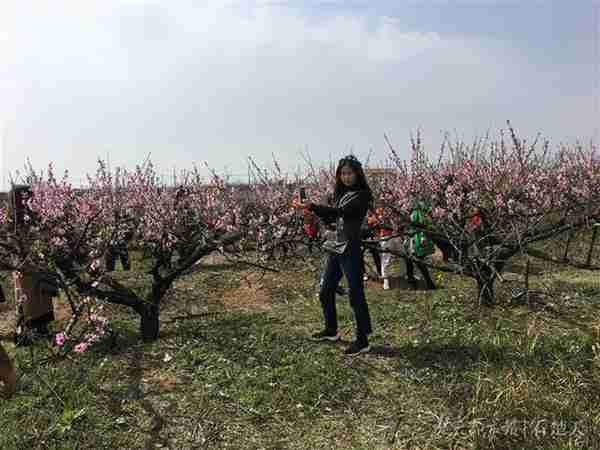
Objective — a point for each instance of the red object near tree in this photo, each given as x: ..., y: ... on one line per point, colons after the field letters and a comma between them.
x: 476, y: 221
x: 311, y: 230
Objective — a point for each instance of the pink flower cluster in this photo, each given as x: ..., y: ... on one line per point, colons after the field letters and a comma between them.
x: 515, y: 186
x: 96, y: 327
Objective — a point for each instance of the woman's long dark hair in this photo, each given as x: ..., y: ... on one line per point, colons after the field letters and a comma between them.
x: 361, y: 180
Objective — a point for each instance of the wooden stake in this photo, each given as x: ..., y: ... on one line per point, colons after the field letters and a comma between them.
x: 570, y: 236
x: 594, y: 235
x: 527, y: 279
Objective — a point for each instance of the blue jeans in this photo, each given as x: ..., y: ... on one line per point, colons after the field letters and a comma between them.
x: 339, y: 291
x: 350, y: 265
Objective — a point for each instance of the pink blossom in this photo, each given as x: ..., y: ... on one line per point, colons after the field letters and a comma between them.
x: 80, y: 348
x: 60, y: 339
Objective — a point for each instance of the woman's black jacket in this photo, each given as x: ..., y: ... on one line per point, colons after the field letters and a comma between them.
x: 348, y: 214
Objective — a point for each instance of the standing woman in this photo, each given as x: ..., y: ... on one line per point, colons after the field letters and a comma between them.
x: 352, y: 199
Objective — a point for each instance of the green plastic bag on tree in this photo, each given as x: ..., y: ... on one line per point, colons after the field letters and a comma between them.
x: 421, y: 244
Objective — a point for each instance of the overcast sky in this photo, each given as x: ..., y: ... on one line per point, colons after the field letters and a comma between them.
x: 217, y: 81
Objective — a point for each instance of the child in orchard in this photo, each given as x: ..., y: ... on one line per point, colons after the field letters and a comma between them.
x: 352, y: 200
x: 382, y: 231
x: 369, y: 232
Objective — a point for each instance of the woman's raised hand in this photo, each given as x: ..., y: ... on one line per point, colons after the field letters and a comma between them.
x: 297, y: 204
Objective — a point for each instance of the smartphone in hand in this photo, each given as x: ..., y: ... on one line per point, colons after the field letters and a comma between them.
x: 302, y: 194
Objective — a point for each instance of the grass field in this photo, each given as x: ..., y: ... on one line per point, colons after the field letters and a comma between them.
x: 443, y: 373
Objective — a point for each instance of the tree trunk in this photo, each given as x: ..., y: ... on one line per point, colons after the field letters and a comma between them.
x: 485, y: 286
x: 149, y: 321
x: 589, y: 255
x: 150, y: 311
x: 566, y: 254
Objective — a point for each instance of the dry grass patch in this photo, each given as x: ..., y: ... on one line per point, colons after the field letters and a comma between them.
x: 158, y: 378
x: 251, y: 294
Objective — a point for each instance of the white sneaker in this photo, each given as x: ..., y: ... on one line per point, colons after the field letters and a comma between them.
x: 365, y: 277
x: 386, y: 283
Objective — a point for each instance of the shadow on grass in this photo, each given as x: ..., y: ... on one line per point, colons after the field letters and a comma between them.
x: 535, y: 268
x: 10, y: 337
x: 137, y: 362
x: 121, y: 340
x: 543, y: 352
x: 588, y: 288
x: 449, y: 356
